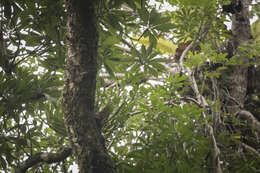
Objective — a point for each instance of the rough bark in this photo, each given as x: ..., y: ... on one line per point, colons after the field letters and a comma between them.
x: 239, y: 81
x: 79, y: 92
x: 43, y: 157
x: 238, y: 74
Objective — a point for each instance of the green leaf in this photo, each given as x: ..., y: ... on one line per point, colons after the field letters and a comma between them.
x: 144, y: 15
x: 255, y: 29
x: 155, y: 17
x: 165, y: 27
x: 3, y: 163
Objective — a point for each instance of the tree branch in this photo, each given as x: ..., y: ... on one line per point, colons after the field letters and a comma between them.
x: 190, y: 75
x: 250, y: 118
x: 203, y: 103
x: 191, y: 99
x: 251, y: 149
x: 215, y: 151
x: 43, y: 157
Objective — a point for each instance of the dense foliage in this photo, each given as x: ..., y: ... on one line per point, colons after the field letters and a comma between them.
x: 163, y: 78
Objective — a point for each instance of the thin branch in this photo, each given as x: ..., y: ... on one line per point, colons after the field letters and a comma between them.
x: 147, y: 29
x: 135, y: 113
x: 191, y: 77
x: 43, y: 157
x: 233, y: 99
x: 203, y: 103
x: 184, y: 53
x: 191, y: 99
x: 215, y: 152
x: 128, y: 44
x: 250, y: 118
x: 194, y: 86
x: 251, y: 149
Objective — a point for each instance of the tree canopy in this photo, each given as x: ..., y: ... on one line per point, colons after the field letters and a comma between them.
x: 130, y: 86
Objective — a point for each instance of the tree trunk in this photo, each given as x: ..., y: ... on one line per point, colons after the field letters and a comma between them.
x: 79, y: 92
x: 238, y: 74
